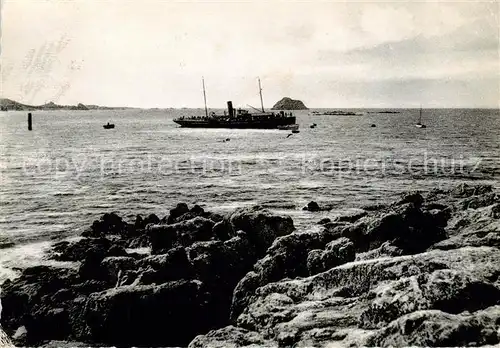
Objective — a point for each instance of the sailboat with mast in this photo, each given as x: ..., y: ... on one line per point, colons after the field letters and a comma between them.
x: 419, y: 123
x: 238, y: 118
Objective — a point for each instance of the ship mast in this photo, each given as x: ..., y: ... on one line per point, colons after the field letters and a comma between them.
x: 260, y: 92
x: 204, y: 96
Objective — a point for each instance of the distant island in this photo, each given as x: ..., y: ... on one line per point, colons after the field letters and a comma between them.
x: 8, y: 104
x: 383, y: 112
x: 337, y: 113
x: 289, y: 104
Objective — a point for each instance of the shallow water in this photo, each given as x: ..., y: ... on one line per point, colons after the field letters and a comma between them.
x: 68, y: 171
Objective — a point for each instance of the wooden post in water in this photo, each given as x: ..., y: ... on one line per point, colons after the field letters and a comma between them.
x: 29, y: 121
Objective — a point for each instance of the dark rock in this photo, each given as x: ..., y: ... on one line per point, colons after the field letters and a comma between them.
x: 78, y: 250
x: 21, y: 296
x: 406, y: 227
x: 162, y: 238
x: 222, y: 262
x: 151, y: 219
x: 116, y: 250
x: 312, y: 206
x: 475, y: 202
x: 110, y: 223
x: 135, y: 233
x: 157, y: 269
x: 107, y: 274
x: 350, y: 218
x: 197, y: 210
x: 46, y: 321
x: 440, y: 216
x: 191, y: 214
x: 466, y: 190
x: 112, y: 267
x: 222, y: 230
x: 185, y: 217
x: 287, y: 257
x: 141, y: 241
x: 139, y: 222
x: 414, y: 198
x: 243, y: 292
x: 213, y: 216
x: 335, y: 227
x: 89, y: 286
x: 261, y: 226
x: 220, y: 265
x: 63, y: 295
x: 185, y: 233
x: 337, y: 252
x: 178, y: 211
x: 90, y: 267
x: 139, y: 315
x: 374, y: 207
x: 315, y: 262
x: 6, y: 245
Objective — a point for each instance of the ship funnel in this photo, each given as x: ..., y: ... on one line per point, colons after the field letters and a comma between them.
x: 230, y: 109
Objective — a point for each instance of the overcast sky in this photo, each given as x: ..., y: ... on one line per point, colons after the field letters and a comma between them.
x: 153, y: 53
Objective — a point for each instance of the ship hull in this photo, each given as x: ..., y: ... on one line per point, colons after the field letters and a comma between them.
x: 237, y: 124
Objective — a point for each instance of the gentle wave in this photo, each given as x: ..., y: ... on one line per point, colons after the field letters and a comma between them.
x: 68, y: 171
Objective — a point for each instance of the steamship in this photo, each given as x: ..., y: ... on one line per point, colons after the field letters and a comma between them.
x: 238, y: 118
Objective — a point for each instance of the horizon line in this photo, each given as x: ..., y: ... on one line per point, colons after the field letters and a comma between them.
x: 225, y: 107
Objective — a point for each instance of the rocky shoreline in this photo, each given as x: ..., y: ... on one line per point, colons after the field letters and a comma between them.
x: 423, y: 271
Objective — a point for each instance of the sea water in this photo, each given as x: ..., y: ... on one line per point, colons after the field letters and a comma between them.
x: 69, y: 170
